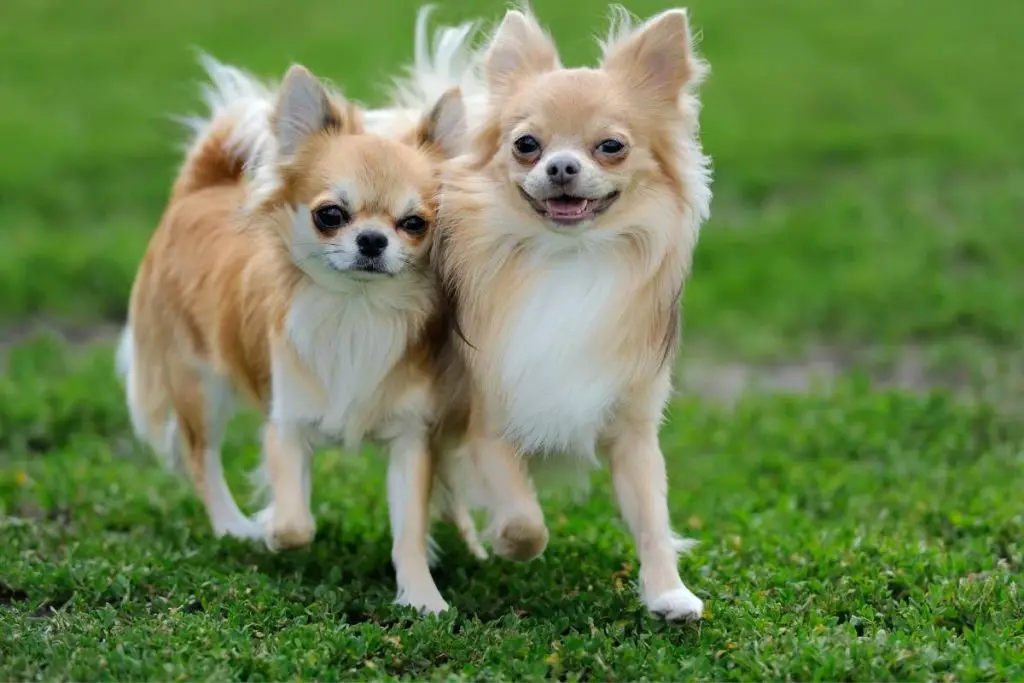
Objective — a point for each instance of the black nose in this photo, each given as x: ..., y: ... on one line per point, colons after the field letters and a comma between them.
x: 371, y: 243
x: 563, y: 170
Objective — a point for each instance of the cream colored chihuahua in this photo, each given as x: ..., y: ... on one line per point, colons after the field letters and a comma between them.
x: 563, y: 243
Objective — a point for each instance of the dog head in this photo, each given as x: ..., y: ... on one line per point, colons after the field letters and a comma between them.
x: 581, y: 150
x: 358, y: 206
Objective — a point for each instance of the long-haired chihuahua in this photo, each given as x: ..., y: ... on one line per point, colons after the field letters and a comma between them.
x: 290, y: 270
x: 565, y: 237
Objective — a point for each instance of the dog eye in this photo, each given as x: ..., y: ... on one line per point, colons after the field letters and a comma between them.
x: 526, y: 146
x: 413, y: 224
x: 330, y: 217
x: 611, y: 147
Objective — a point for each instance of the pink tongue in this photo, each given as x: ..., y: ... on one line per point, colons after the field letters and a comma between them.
x: 566, y: 207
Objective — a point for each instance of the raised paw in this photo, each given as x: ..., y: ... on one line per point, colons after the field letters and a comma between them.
x: 520, y: 538
x: 677, y: 605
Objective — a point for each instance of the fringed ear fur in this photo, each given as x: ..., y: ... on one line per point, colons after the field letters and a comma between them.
x: 520, y: 48
x: 656, y: 61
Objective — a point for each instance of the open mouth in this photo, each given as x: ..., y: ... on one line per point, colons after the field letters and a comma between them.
x: 569, y: 210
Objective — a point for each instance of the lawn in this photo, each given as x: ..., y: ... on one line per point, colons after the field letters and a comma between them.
x: 846, y: 445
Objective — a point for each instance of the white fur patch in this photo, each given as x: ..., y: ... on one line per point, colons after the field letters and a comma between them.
x: 447, y: 60
x: 349, y: 342
x: 124, y: 363
x: 558, y: 389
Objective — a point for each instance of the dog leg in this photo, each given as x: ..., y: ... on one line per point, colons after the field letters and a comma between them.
x: 410, y: 477
x: 458, y: 515
x: 517, y: 530
x: 641, y: 487
x: 288, y: 521
x: 226, y: 517
x: 450, y: 491
x: 202, y: 405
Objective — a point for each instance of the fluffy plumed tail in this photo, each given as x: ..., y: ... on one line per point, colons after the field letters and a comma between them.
x: 446, y: 61
x: 233, y: 135
x: 149, y: 404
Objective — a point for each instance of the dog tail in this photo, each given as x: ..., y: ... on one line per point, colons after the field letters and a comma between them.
x: 233, y: 135
x: 438, y: 65
x: 149, y: 403
x: 447, y: 61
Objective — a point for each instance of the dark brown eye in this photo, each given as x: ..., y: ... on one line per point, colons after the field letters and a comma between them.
x: 611, y: 147
x: 330, y: 217
x: 413, y: 225
x: 526, y: 147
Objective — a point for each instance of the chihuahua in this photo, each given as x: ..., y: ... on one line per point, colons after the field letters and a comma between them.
x: 290, y: 270
x: 565, y: 237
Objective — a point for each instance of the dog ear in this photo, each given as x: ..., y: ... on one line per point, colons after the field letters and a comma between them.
x: 444, y: 127
x: 519, y: 48
x: 656, y: 60
x: 303, y: 108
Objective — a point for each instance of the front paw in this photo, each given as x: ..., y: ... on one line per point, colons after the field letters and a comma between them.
x: 284, y: 533
x: 519, y: 538
x: 676, y: 605
x: 426, y: 601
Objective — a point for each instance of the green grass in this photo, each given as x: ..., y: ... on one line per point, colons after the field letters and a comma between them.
x: 869, y: 206
x: 859, y: 536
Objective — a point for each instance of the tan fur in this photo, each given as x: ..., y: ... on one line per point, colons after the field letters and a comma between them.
x: 216, y: 284
x: 220, y: 281
x: 494, y: 252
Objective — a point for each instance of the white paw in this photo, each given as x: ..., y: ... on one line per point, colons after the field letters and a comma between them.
x: 425, y: 601
x: 677, y: 605
x: 245, y: 531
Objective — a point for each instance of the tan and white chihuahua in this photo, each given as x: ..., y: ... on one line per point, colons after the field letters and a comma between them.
x: 304, y: 289
x: 564, y: 240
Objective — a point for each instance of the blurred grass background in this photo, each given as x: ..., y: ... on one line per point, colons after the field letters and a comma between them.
x: 869, y: 184
x: 868, y: 223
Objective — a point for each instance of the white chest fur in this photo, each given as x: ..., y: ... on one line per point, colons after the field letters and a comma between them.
x: 347, y: 343
x: 558, y: 382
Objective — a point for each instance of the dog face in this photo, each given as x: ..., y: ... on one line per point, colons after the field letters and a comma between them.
x: 362, y: 206
x: 585, y: 149
x: 568, y: 149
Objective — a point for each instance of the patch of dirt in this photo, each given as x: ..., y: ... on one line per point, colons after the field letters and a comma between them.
x: 76, y: 335
x: 72, y: 333
x: 910, y: 369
